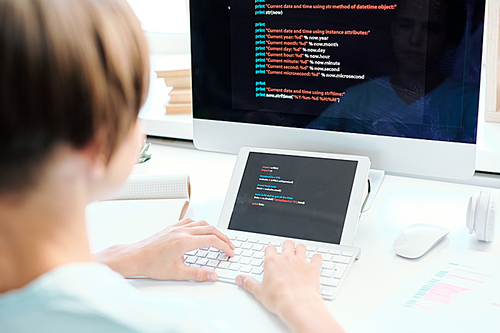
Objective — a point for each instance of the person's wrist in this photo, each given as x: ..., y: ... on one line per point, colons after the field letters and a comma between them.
x: 292, y: 306
x: 306, y: 314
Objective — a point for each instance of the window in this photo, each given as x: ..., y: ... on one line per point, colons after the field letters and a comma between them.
x: 162, y: 16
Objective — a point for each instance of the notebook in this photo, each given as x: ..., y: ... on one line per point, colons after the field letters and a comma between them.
x: 312, y: 198
x: 145, y: 205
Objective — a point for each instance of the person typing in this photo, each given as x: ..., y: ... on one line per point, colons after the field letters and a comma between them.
x: 73, y: 76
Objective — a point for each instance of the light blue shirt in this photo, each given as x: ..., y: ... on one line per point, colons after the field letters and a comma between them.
x: 90, y: 297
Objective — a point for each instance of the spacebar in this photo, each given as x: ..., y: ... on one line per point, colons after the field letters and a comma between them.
x: 229, y: 274
x: 226, y: 273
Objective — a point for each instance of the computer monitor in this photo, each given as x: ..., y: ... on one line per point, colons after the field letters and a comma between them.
x: 397, y: 82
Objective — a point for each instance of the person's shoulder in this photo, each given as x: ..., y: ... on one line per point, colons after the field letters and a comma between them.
x: 59, y: 301
x: 90, y: 297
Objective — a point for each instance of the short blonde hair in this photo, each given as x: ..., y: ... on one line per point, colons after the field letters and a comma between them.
x: 68, y: 69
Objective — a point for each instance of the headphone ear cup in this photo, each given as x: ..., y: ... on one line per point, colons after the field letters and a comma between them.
x: 482, y: 214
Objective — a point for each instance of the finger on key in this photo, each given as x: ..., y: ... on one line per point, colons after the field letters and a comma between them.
x: 316, y: 259
x: 210, y: 230
x: 301, y: 250
x: 270, y: 249
x: 288, y: 247
x: 201, y: 241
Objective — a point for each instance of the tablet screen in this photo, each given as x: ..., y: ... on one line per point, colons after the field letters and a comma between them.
x: 294, y: 196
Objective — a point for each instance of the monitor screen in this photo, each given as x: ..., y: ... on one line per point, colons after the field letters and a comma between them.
x: 410, y: 68
x: 407, y: 69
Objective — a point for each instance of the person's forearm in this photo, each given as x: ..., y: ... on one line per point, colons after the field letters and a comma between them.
x: 311, y: 315
x: 119, y: 258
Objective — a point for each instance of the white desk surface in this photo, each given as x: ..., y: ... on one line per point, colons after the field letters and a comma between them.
x: 400, y: 203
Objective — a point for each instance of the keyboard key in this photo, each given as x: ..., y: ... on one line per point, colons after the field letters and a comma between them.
x: 234, y: 259
x: 192, y: 253
x: 327, y: 265
x: 335, y: 252
x: 204, y: 248
x: 191, y: 260
x: 338, y: 274
x: 201, y: 254
x: 222, y: 256
x: 326, y: 257
x: 347, y: 253
x: 246, y: 269
x: 212, y: 263
x: 225, y: 273
x: 202, y: 261
x: 279, y: 249
x: 247, y: 253
x: 212, y: 255
x: 329, y: 282
x: 253, y: 240
x: 274, y: 243
x: 256, y: 262
x: 242, y: 239
x: 237, y: 243
x: 327, y: 273
x: 258, y: 247
x: 213, y: 249
x: 257, y: 270
x: 311, y: 248
x: 328, y: 291
x: 224, y: 264
x: 264, y: 242
x: 246, y: 246
x: 237, y: 251
x: 234, y: 267
x: 340, y: 259
x: 231, y: 238
x: 245, y: 261
x: 322, y: 250
x: 258, y: 255
x: 341, y: 266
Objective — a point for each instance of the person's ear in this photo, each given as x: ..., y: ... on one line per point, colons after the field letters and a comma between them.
x: 95, y: 158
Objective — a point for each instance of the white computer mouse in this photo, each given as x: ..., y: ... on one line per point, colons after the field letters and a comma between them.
x: 417, y: 239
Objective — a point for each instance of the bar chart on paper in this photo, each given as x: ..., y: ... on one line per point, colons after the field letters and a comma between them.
x: 460, y: 293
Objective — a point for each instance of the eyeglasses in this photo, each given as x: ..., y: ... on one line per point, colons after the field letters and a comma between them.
x: 143, y: 155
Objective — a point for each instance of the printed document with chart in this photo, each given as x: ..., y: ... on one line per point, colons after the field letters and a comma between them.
x: 459, y: 293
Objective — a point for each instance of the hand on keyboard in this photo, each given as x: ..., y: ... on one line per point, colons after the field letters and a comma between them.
x: 290, y: 288
x: 286, y: 275
x: 160, y: 256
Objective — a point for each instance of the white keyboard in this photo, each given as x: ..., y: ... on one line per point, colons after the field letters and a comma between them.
x: 249, y: 259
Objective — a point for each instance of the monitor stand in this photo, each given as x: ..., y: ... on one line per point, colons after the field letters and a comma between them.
x: 376, y: 177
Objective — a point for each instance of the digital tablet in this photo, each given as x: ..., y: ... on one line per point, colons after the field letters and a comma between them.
x: 300, y: 195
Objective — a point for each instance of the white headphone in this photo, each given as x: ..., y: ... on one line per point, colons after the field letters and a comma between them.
x: 482, y: 214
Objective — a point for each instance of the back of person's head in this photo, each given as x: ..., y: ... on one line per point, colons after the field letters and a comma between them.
x: 69, y: 70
